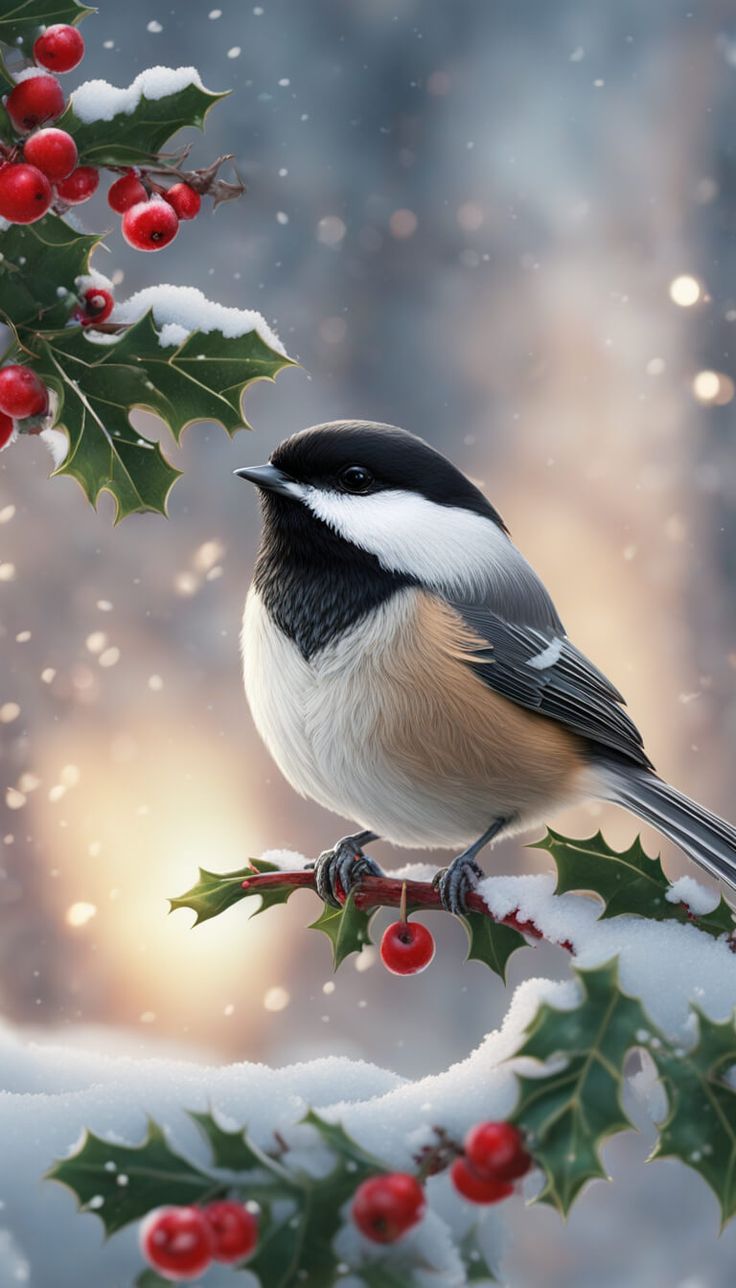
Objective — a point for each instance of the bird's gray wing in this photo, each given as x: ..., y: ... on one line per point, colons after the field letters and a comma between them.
x: 537, y: 667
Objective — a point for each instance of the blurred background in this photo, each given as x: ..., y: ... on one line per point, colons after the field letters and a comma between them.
x: 509, y: 228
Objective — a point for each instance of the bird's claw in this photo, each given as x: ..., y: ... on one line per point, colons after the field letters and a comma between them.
x: 336, y: 871
x: 456, y: 882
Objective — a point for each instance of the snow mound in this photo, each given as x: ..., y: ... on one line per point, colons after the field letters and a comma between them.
x: 180, y: 310
x: 97, y: 100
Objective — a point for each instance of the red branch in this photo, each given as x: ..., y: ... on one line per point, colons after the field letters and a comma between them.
x: 385, y: 892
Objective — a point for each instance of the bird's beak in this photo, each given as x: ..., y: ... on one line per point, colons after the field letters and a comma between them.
x: 269, y: 478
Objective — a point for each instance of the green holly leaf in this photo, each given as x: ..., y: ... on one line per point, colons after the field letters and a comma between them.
x: 22, y: 20
x: 98, y: 385
x: 96, y: 392
x: 700, y: 1127
x: 628, y: 881
x: 37, y: 261
x: 121, y: 1183
x: 568, y: 1113
x: 277, y: 1257
x: 231, y: 1150
x: 202, y: 379
x: 490, y: 941
x: 477, y: 1269
x: 214, y: 892
x: 377, y: 1274
x: 136, y: 136
x: 347, y: 928
x: 149, y: 1279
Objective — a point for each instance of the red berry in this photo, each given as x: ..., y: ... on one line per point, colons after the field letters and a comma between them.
x: 185, y: 200
x: 21, y: 392
x: 6, y: 430
x: 81, y: 184
x: 385, y: 1207
x: 34, y: 101
x: 97, y: 305
x: 478, y: 1189
x: 150, y: 225
x: 235, y: 1230
x: 25, y: 194
x: 59, y: 47
x: 126, y: 192
x: 496, y: 1150
x: 407, y: 947
x: 177, y: 1241
x: 52, y: 151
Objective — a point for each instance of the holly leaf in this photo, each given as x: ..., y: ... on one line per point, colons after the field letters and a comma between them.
x: 96, y: 392
x: 346, y: 928
x: 214, y: 892
x: 202, y: 379
x: 277, y: 1257
x: 568, y: 1112
x: 477, y: 1269
x: 21, y: 22
x: 121, y: 1183
x: 490, y: 941
x: 231, y: 1150
x: 37, y: 261
x: 133, y: 137
x: 149, y: 1279
x: 700, y: 1127
x: 627, y: 881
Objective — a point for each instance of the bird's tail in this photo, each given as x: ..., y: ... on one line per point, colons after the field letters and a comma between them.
x: 703, y: 836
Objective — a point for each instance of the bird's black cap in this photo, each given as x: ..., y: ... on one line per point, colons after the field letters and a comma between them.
x: 394, y: 457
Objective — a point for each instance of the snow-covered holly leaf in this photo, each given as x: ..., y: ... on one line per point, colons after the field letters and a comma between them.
x: 569, y: 1111
x: 130, y: 126
x: 21, y: 20
x: 202, y: 379
x: 215, y: 892
x: 700, y: 1127
x: 121, y: 1183
x: 346, y: 928
x: 490, y: 941
x: 628, y: 881
x: 96, y: 393
x: 39, y: 263
x: 230, y: 1149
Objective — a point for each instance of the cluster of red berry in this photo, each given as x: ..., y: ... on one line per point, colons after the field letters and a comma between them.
x: 386, y: 1207
x: 151, y: 213
x: 495, y: 1156
x: 22, y: 395
x: 182, y: 1242
x: 41, y: 167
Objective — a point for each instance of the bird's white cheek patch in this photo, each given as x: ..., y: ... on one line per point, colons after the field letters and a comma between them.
x: 440, y: 545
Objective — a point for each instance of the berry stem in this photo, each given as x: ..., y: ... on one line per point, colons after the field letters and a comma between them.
x: 385, y: 892
x: 205, y: 180
x: 402, y: 905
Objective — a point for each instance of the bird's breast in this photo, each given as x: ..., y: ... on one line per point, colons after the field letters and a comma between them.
x: 389, y: 725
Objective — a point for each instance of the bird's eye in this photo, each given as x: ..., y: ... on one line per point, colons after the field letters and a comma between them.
x: 355, y: 478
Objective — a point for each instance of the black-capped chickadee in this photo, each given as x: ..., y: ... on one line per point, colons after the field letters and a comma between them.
x: 406, y: 667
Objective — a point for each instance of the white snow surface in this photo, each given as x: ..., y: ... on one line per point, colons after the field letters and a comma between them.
x: 97, y: 100
x: 179, y: 310
x: 50, y: 1093
x: 698, y: 898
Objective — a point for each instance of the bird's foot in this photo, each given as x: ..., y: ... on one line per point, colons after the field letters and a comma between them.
x: 339, y: 869
x: 455, y: 883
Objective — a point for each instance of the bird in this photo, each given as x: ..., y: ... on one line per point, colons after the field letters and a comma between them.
x: 407, y: 668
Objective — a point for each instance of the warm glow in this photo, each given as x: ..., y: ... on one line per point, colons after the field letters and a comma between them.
x: 713, y: 387
x: 685, y: 290
x: 78, y: 914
